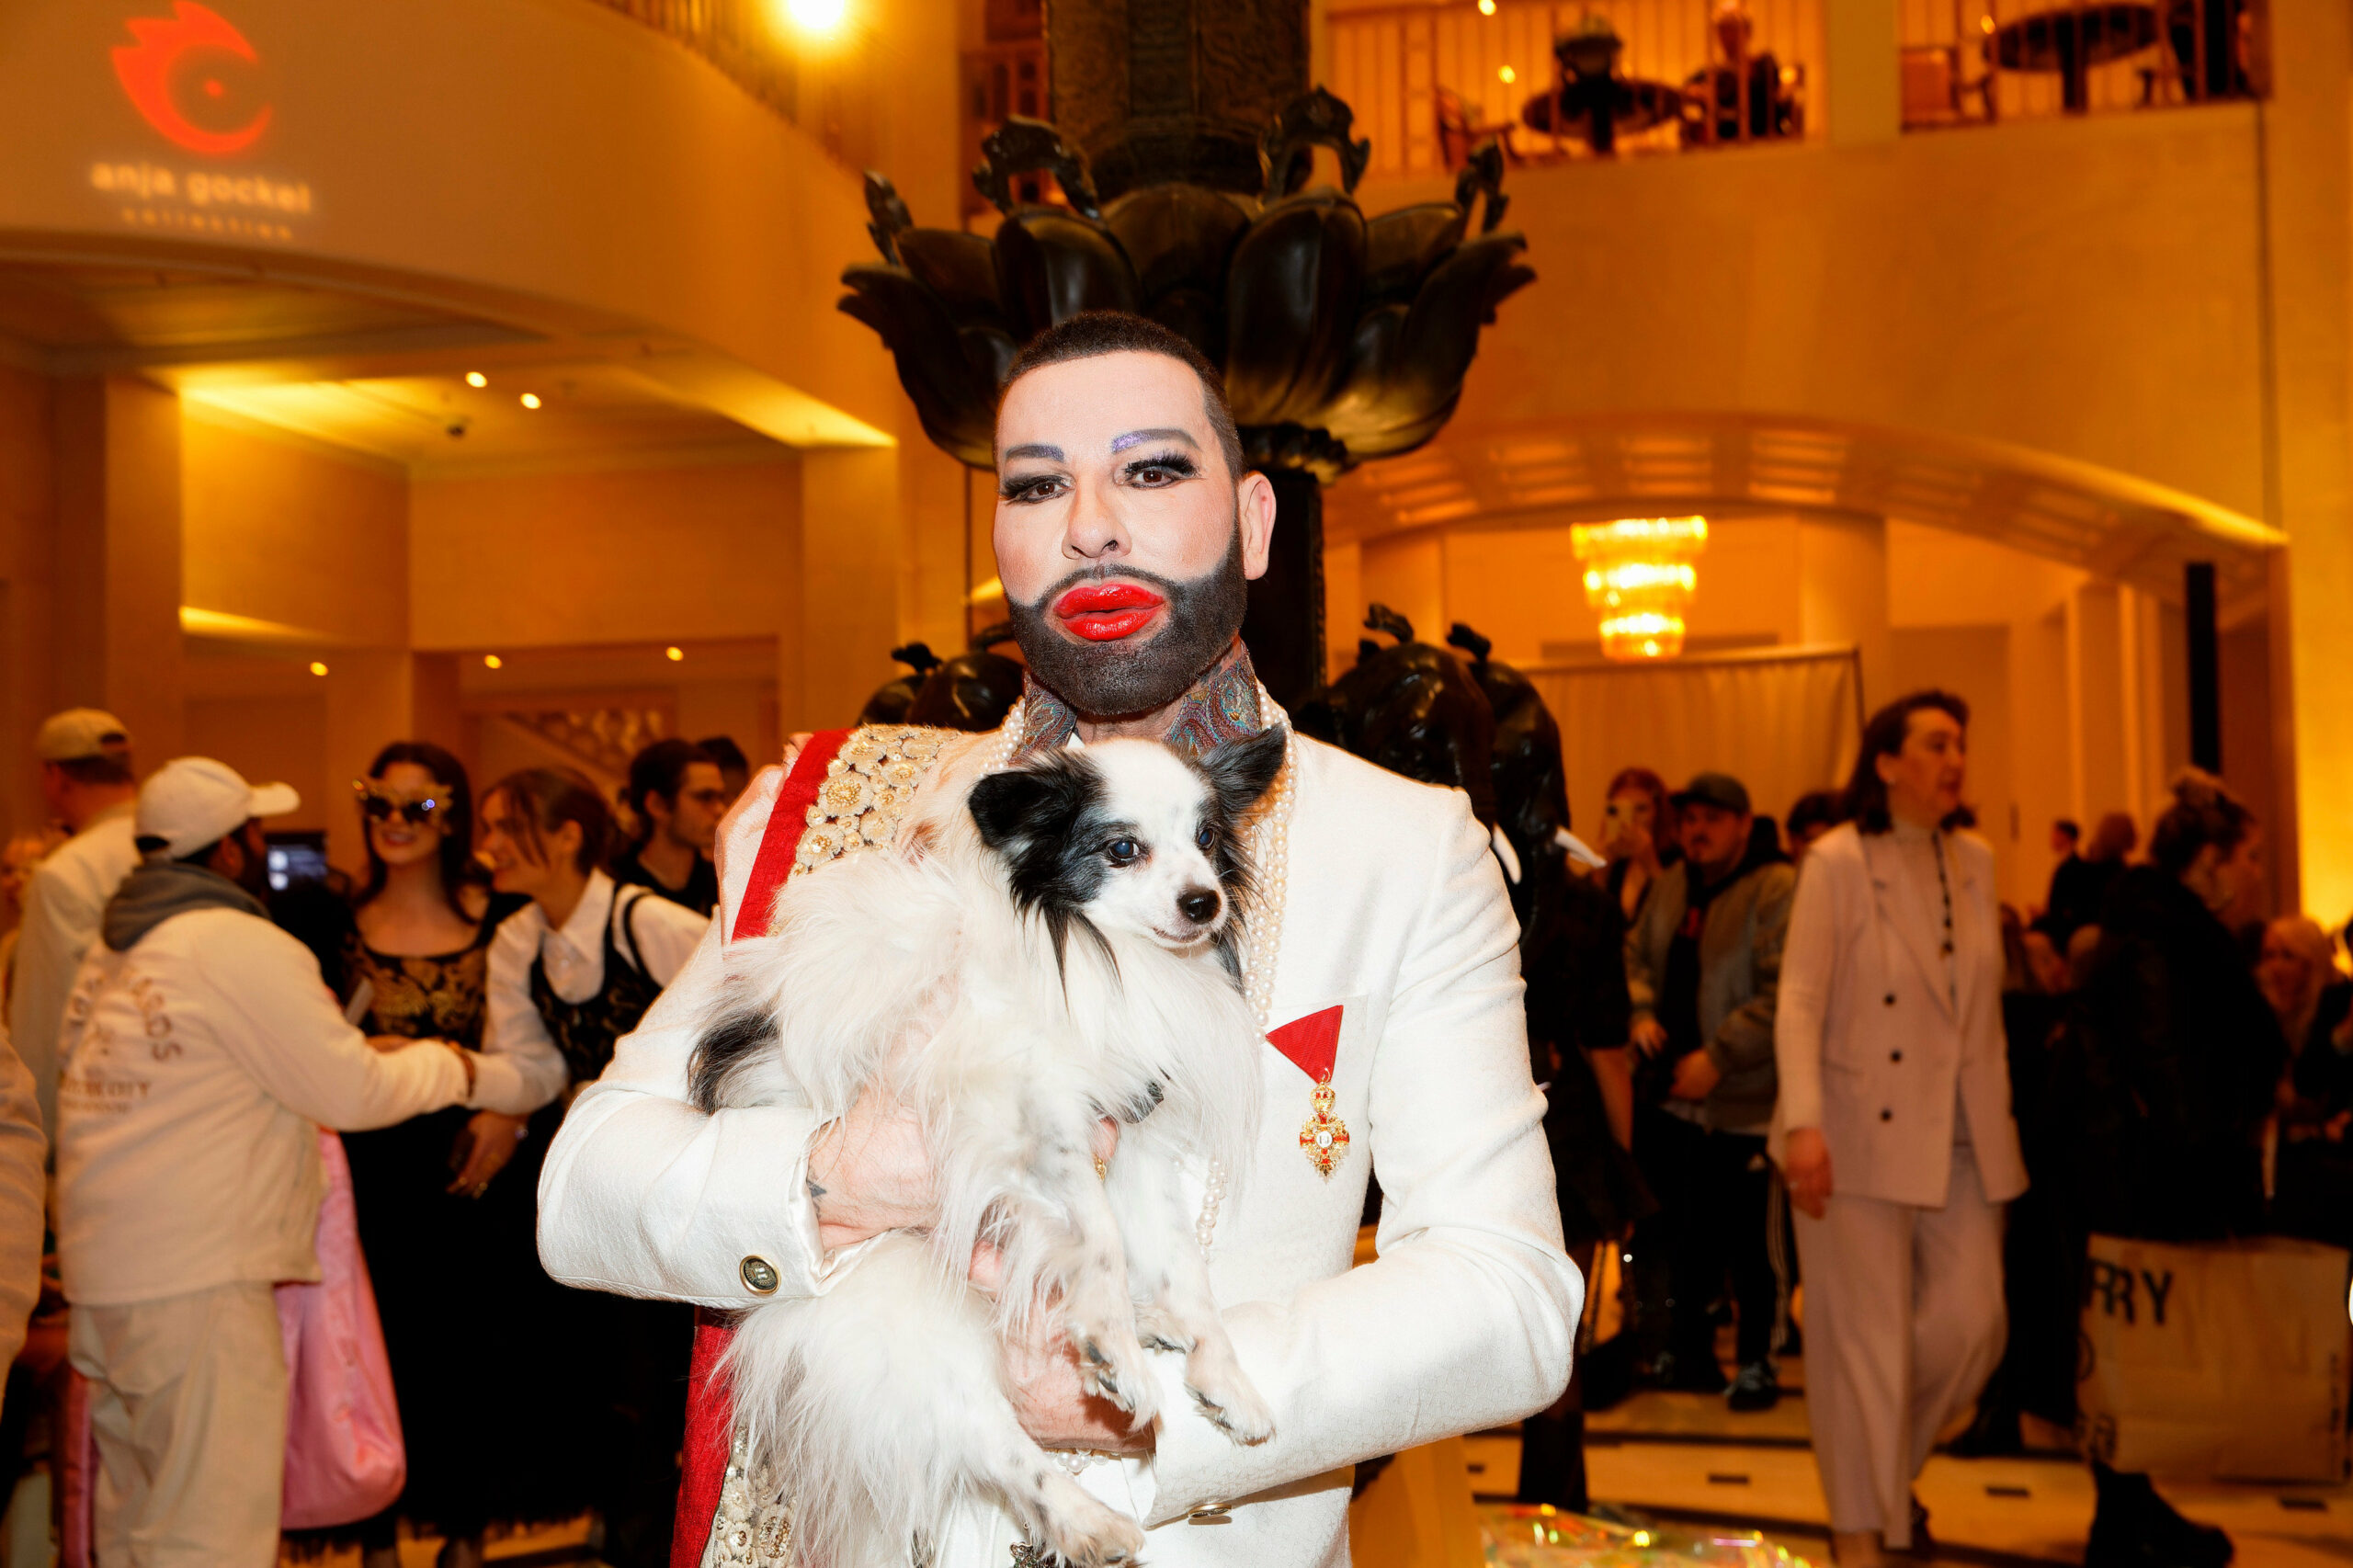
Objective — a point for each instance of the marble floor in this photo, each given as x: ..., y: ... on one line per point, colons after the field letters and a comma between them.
x: 1685, y: 1457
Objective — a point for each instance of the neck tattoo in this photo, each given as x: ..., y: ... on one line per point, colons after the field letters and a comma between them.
x: 1222, y: 705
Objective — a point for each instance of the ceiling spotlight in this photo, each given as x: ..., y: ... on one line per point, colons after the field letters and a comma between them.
x: 674, y: 654
x: 816, y: 16
x: 318, y: 668
x: 530, y: 400
x: 1506, y: 76
x: 1487, y: 8
x: 492, y: 661
x: 476, y: 379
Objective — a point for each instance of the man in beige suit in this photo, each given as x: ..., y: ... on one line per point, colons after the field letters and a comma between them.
x: 1893, y: 1127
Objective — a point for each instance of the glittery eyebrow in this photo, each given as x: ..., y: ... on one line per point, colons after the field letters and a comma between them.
x: 1138, y: 437
x: 1036, y: 449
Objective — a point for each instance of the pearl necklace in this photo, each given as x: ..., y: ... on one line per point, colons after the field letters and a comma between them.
x: 1269, y: 833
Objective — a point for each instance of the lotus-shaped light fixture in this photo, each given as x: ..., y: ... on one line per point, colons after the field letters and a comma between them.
x: 1342, y: 337
x: 1639, y: 575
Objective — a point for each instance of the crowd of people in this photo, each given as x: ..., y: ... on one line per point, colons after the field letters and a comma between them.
x: 1826, y: 1061
x: 482, y: 968
x: 1840, y: 1035
x: 1818, y: 1049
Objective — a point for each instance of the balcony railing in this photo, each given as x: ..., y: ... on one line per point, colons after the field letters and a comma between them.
x: 1971, y: 61
x: 829, y: 94
x: 1428, y: 81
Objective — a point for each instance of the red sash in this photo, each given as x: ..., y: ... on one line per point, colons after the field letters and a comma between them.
x: 711, y: 1410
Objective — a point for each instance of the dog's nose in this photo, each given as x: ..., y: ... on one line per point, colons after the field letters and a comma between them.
x: 1199, y: 905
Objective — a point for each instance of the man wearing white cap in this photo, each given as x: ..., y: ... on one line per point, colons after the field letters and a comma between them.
x: 200, y: 1047
x: 86, y: 782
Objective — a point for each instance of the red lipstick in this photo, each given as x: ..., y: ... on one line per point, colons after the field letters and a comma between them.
x: 1105, y: 612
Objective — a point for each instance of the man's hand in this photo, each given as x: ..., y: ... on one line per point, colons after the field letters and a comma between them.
x: 1649, y: 1035
x: 1042, y: 1378
x: 870, y: 1173
x: 1805, y: 1169
x: 1696, y: 1077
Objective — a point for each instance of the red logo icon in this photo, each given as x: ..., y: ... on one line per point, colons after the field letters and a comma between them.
x: 194, y: 57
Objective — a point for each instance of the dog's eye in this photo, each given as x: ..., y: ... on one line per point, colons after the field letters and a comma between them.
x: 1205, y: 837
x: 1123, y: 852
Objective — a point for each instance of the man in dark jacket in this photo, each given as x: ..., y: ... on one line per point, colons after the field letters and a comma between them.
x: 1703, y: 967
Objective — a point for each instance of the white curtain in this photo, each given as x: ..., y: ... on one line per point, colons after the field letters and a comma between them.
x: 1780, y: 723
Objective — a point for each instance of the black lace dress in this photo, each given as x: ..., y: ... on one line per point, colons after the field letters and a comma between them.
x: 458, y: 1280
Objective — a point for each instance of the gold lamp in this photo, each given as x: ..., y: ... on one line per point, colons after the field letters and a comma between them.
x: 1638, y: 573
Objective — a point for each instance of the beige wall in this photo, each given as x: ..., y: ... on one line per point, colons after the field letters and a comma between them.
x: 626, y: 555
x: 292, y: 533
x: 545, y: 164
x: 2085, y: 288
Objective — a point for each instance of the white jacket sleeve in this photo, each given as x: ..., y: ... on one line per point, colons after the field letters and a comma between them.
x: 281, y: 1024
x: 1469, y: 1317
x: 644, y: 1195
x: 22, y: 1151
x: 55, y: 933
x: 520, y: 1069
x: 1809, y: 965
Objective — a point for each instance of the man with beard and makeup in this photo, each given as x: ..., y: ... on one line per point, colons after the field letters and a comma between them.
x: 201, y: 1052
x: 1382, y: 955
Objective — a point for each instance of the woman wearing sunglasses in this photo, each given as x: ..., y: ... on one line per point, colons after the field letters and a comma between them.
x: 446, y: 1225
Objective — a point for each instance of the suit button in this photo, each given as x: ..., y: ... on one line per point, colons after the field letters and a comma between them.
x: 1896, y: 1056
x: 1887, y: 1116
x: 1891, y: 998
x: 760, y: 1275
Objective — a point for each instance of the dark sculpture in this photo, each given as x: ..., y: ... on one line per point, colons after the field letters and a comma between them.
x: 891, y: 700
x: 1531, y: 779
x: 972, y: 691
x: 1343, y: 338
x: 1413, y: 709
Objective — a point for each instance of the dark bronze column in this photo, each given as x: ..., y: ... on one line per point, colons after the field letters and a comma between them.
x: 1153, y: 90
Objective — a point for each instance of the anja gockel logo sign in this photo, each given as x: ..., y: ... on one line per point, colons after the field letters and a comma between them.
x: 201, y: 86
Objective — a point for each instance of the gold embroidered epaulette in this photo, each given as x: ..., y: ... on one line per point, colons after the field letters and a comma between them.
x: 867, y: 787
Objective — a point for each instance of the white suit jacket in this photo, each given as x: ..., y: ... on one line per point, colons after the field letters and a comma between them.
x: 1396, y: 912
x: 1870, y: 1048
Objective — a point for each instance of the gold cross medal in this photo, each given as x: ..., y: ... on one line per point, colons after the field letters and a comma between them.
x: 1323, y: 1137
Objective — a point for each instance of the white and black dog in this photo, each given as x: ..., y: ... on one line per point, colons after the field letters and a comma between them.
x: 1055, y: 946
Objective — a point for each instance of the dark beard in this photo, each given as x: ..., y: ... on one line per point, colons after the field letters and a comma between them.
x: 1134, y: 676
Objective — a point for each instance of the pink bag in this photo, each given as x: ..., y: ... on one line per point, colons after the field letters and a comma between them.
x: 344, y: 1461
x: 343, y: 1458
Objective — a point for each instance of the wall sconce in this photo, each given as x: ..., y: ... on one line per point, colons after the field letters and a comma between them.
x: 1639, y: 575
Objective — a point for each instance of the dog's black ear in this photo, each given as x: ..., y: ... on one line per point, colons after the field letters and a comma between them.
x: 1025, y: 804
x: 1240, y: 771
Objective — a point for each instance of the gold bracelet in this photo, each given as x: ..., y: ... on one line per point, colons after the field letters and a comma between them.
x: 466, y: 1061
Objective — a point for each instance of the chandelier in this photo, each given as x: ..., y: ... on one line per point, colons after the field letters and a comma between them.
x: 1639, y: 575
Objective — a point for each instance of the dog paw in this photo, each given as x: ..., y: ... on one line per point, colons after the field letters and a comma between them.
x: 1083, y: 1533
x: 1160, y: 1330
x: 1223, y: 1392
x: 1112, y: 1366
x: 1237, y: 1412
